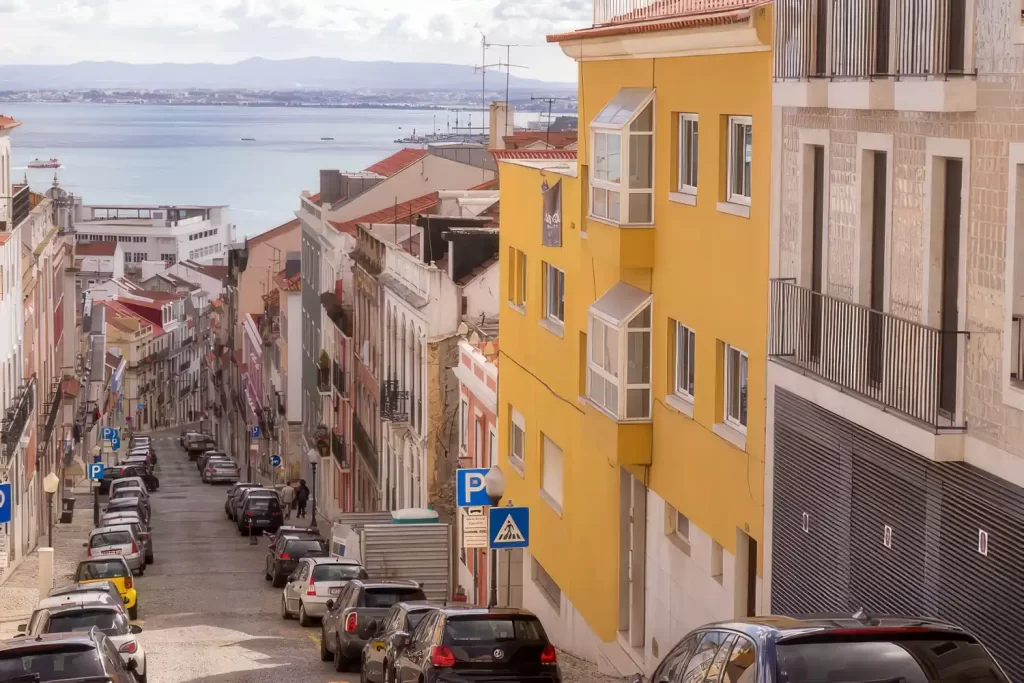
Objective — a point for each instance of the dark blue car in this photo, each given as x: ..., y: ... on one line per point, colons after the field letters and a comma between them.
x: 829, y: 649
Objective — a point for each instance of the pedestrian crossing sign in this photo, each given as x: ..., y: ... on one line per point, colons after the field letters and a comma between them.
x: 509, y: 527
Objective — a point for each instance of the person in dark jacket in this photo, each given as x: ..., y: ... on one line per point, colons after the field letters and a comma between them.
x: 302, y: 497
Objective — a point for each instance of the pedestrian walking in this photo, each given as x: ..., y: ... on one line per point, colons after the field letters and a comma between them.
x: 302, y: 497
x: 287, y: 499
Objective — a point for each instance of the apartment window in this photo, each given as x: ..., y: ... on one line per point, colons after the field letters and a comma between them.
x: 622, y: 172
x: 517, y: 277
x: 717, y: 563
x: 551, y: 474
x: 554, y: 294
x: 517, y: 439
x: 548, y: 588
x: 688, y: 153
x: 735, y: 387
x: 677, y: 528
x: 619, y: 379
x: 685, y: 359
x: 741, y: 145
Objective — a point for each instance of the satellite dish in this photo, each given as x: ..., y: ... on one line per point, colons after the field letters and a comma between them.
x: 463, y: 329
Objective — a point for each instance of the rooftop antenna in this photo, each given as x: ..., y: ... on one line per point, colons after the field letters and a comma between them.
x: 550, y: 101
x: 508, y: 69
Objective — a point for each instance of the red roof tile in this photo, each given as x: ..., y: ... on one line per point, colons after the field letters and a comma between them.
x: 557, y: 139
x: 393, y: 215
x: 500, y: 154
x: 668, y: 24
x: 491, y: 184
x: 292, y: 284
x: 157, y: 295
x: 273, y: 232
x: 400, y: 160
x: 95, y: 248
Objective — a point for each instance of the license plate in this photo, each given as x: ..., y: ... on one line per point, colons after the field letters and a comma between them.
x: 336, y: 591
x: 262, y: 522
x: 115, y: 551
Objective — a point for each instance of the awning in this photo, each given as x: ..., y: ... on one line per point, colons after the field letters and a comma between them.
x: 620, y: 303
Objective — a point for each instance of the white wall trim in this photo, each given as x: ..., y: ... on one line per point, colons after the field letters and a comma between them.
x: 819, y: 138
x: 1012, y: 396
x: 872, y: 142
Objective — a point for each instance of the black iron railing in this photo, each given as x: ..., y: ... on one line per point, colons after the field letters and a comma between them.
x: 338, y: 450
x: 48, y: 417
x: 12, y: 427
x: 364, y: 444
x: 902, y: 365
x: 394, y: 403
x: 21, y: 205
x: 323, y: 378
x: 338, y: 377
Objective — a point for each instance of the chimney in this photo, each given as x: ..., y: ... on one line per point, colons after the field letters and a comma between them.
x: 330, y: 187
x: 501, y: 125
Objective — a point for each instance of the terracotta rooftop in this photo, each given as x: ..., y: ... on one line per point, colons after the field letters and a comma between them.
x: 216, y: 272
x: 557, y: 139
x: 500, y: 154
x: 625, y: 25
x: 472, y: 275
x: 400, y: 160
x: 404, y: 212
x: 6, y: 122
x: 157, y: 295
x: 292, y: 284
x: 95, y: 248
x: 491, y: 184
x: 273, y: 232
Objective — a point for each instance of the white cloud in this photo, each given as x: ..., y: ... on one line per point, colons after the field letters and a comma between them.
x: 62, y: 31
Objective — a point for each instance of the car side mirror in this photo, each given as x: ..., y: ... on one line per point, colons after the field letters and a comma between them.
x: 330, y: 604
x: 22, y: 628
x: 136, y: 629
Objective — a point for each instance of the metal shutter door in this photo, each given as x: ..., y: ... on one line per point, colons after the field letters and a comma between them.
x: 810, y: 570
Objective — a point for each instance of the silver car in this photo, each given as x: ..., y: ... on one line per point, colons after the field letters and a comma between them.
x: 118, y: 540
x: 137, y: 483
x: 138, y: 527
x: 222, y: 470
x: 315, y: 581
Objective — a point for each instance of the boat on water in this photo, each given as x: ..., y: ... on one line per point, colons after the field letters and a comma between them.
x: 326, y: 138
x: 44, y: 163
x: 248, y: 139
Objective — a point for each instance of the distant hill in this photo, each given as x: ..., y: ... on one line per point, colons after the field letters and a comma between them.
x: 311, y: 73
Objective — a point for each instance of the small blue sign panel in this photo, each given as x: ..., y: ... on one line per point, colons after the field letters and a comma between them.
x: 115, y: 443
x: 255, y: 431
x: 275, y: 461
x: 107, y: 433
x: 508, y: 527
x: 141, y: 406
x: 95, y: 470
x: 469, y: 487
x: 6, y: 503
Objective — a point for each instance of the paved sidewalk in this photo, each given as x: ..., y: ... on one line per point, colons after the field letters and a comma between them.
x: 20, y: 591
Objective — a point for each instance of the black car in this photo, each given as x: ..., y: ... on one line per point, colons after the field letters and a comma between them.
x: 283, y: 559
x: 296, y: 531
x: 114, y: 472
x: 88, y: 656
x: 237, y: 489
x: 830, y: 648
x: 197, y: 444
x: 259, y: 515
x: 242, y: 498
x: 456, y: 644
x: 380, y: 653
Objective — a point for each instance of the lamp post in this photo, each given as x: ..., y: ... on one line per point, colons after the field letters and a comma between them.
x: 494, y: 485
x: 97, y: 455
x: 50, y: 485
x: 313, y: 456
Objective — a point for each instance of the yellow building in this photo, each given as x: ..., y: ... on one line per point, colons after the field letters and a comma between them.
x: 632, y: 398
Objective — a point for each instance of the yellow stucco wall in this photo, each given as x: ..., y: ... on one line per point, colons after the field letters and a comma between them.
x: 710, y: 271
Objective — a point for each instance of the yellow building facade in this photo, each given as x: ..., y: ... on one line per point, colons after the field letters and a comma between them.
x: 632, y: 392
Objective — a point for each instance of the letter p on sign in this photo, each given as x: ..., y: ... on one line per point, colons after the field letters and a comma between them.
x: 470, y: 489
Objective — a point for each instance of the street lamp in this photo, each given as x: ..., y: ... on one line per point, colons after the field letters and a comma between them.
x: 313, y: 456
x: 494, y: 485
x: 97, y: 455
x: 50, y: 485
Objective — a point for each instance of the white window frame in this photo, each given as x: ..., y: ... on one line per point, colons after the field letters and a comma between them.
x: 622, y: 185
x: 688, y: 152
x: 680, y: 330
x: 517, y: 424
x: 734, y: 421
x: 620, y: 382
x: 463, y: 424
x: 550, y: 280
x: 680, y: 537
x: 732, y: 195
x: 547, y: 487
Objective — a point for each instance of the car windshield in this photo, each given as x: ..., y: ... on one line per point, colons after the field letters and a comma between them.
x: 922, y: 659
x: 388, y: 597
x: 81, y: 622
x: 51, y: 665
x: 259, y: 504
x: 336, y: 572
x: 304, y: 547
x: 110, y: 538
x: 488, y: 629
x: 102, y: 570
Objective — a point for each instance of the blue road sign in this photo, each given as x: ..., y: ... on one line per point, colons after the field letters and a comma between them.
x: 469, y: 487
x: 107, y: 433
x: 275, y: 461
x: 255, y: 431
x: 6, y: 503
x: 508, y: 527
x: 115, y: 443
x: 141, y: 406
x: 95, y: 470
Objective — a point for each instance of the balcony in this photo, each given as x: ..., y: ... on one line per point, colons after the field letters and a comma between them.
x: 21, y: 204
x: 900, y: 366
x: 48, y: 417
x: 364, y: 445
x: 338, y: 377
x: 907, y: 55
x: 394, y: 403
x: 15, y: 420
x: 323, y: 378
x: 629, y: 11
x: 340, y: 314
x: 338, y: 451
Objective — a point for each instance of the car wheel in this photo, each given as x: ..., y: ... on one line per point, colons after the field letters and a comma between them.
x: 142, y: 679
x: 284, y: 609
x: 142, y: 570
x: 277, y: 581
x: 339, y: 660
x: 133, y: 611
x: 325, y: 654
x: 304, y: 619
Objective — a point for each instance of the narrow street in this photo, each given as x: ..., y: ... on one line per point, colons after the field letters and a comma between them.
x: 208, y: 615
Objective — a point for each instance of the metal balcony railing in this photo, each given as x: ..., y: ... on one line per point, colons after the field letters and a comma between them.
x: 338, y: 451
x: 394, y: 403
x: 625, y: 11
x: 21, y: 204
x: 48, y: 417
x: 364, y: 445
x: 903, y: 366
x: 15, y: 420
x: 338, y: 377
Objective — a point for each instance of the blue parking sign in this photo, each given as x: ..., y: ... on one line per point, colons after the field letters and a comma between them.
x: 107, y: 433
x: 95, y: 470
x: 6, y: 503
x: 115, y: 443
x: 255, y: 431
x: 469, y: 487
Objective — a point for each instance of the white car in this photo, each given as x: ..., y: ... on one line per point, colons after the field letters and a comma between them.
x: 119, y: 540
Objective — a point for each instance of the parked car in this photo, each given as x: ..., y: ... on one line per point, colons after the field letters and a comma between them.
x: 352, y: 618
x: 296, y: 531
x: 114, y: 472
x: 284, y: 558
x: 381, y: 653
x: 111, y: 620
x: 117, y: 541
x: 840, y: 648
x: 63, y: 657
x: 82, y: 598
x: 205, y: 457
x: 128, y: 505
x: 259, y: 515
x: 105, y: 587
x: 114, y: 569
x: 219, y: 469
x: 197, y: 444
x: 315, y: 581
x: 237, y: 489
x: 138, y: 527
x: 125, y: 492
x: 184, y: 436
x: 137, y: 483
x: 243, y: 499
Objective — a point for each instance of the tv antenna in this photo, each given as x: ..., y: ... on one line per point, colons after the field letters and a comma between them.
x: 550, y: 101
x: 484, y: 66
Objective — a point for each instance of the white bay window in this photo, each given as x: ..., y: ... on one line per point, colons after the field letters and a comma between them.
x: 622, y: 170
x: 619, y: 353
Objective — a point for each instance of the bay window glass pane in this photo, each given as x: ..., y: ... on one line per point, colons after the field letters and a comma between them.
x: 638, y: 361
x: 614, y: 210
x: 600, y: 156
x: 614, y: 158
x: 611, y: 349
x: 596, y: 387
x: 597, y: 343
x: 641, y: 207
x: 611, y: 399
x: 600, y: 203
x: 638, y: 403
x: 645, y: 122
x: 641, y: 320
x: 640, y: 165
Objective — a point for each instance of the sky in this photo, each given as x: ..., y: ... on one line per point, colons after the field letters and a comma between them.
x: 226, y: 31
